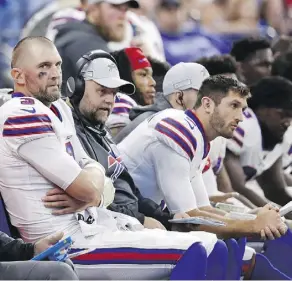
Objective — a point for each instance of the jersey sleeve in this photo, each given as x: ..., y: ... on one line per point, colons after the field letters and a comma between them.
x: 24, y: 120
x: 200, y: 189
x: 246, y: 137
x: 173, y: 178
x: 217, y: 154
x: 51, y: 161
x: 177, y: 135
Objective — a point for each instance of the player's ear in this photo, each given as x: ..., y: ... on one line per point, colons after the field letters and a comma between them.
x: 208, y: 104
x: 18, y: 76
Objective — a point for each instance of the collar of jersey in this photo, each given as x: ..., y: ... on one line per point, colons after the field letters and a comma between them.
x: 191, y: 114
x: 17, y: 95
x: 53, y: 108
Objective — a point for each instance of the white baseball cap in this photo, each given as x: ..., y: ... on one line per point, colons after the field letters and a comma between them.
x: 132, y: 3
x: 184, y: 76
x: 105, y: 72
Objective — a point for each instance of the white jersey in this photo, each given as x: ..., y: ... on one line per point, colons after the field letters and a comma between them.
x: 25, y: 120
x: 217, y: 153
x: 165, y: 156
x: 287, y: 150
x: 247, y: 144
x: 216, y: 156
x: 61, y: 17
x: 120, y: 114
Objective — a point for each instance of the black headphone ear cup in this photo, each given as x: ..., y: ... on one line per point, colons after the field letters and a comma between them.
x: 79, y: 86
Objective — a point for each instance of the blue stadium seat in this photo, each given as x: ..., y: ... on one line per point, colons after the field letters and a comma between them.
x: 4, y: 225
x: 217, y: 262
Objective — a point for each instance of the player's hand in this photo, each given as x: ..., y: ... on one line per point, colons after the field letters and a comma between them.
x: 269, y: 223
x: 47, y: 242
x: 181, y: 216
x: 222, y: 198
x: 62, y: 203
x: 254, y: 211
x: 153, y: 223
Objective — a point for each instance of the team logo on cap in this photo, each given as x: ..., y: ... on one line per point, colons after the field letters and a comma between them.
x: 112, y: 67
x: 142, y: 60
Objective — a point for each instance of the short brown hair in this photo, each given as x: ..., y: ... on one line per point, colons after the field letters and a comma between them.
x: 218, y: 86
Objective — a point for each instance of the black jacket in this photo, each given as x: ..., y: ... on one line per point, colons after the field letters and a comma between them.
x: 73, y: 40
x: 128, y: 199
x: 14, y: 249
x: 140, y: 113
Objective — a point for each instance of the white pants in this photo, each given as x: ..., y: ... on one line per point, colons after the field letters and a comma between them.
x: 122, y: 254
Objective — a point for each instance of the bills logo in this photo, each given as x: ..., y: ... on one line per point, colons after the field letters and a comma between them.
x: 115, y: 166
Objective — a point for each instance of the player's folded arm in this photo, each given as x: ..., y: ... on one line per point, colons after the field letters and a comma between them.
x: 48, y: 157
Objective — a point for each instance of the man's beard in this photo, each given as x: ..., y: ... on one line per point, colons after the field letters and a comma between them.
x: 217, y: 123
x: 94, y: 118
x: 109, y: 34
x: 47, y: 98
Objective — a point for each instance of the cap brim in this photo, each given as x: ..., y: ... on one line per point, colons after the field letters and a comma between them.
x: 132, y: 3
x: 123, y: 85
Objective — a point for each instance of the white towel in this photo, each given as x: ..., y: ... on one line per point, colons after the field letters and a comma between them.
x: 108, y: 193
x: 96, y: 220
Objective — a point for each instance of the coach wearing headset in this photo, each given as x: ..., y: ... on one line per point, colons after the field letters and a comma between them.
x: 92, y: 96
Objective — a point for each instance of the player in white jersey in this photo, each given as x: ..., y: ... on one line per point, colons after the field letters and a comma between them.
x: 120, y: 113
x: 166, y: 153
x: 223, y: 65
x: 217, y: 180
x: 213, y: 168
x: 255, y: 151
x: 40, y: 150
x: 287, y: 151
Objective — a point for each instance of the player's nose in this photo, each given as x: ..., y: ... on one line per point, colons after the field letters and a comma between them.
x: 56, y: 72
x: 239, y: 116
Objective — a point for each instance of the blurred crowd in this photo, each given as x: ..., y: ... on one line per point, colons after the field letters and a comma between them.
x: 168, y: 30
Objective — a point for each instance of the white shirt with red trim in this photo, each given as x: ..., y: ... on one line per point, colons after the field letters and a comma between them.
x: 165, y: 156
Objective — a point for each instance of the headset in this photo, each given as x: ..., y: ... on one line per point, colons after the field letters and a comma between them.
x: 75, y: 86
